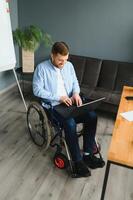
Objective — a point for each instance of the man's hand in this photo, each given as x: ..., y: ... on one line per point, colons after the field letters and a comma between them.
x: 76, y: 99
x: 66, y: 100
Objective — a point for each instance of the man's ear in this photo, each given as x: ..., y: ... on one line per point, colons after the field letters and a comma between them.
x: 51, y: 56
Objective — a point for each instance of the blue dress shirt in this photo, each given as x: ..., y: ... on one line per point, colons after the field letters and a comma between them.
x: 45, y: 81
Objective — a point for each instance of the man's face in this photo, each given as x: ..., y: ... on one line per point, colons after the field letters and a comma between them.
x: 59, y: 60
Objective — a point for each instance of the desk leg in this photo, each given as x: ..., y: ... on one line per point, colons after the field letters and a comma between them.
x: 105, y: 180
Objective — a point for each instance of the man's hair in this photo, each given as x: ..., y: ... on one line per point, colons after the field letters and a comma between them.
x: 61, y: 48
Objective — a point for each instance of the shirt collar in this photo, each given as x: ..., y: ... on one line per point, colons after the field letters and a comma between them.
x: 56, y: 68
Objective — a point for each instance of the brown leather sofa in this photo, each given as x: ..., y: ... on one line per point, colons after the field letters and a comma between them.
x: 103, y: 78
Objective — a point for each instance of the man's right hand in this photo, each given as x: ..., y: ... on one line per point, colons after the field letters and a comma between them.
x: 66, y: 100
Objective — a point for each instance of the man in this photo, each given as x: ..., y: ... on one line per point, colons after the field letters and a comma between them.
x: 55, y: 81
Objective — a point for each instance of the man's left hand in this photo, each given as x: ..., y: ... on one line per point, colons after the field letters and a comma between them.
x: 76, y: 99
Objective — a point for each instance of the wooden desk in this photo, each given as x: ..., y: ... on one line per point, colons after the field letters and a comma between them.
x: 121, y: 147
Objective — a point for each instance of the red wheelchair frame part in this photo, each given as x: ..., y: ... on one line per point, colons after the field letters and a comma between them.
x: 59, y: 162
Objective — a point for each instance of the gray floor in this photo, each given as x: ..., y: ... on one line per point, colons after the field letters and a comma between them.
x: 27, y: 172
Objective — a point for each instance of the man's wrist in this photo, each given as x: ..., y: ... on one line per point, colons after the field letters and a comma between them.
x: 75, y: 93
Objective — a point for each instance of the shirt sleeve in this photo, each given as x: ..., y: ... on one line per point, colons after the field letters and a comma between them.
x: 76, y: 88
x: 39, y: 86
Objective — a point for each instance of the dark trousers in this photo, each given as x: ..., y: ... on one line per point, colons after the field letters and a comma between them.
x: 89, y: 121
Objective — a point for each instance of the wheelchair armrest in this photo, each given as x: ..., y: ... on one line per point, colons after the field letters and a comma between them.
x: 40, y: 100
x: 50, y: 112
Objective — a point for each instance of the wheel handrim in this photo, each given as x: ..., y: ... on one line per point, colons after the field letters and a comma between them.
x: 38, y: 125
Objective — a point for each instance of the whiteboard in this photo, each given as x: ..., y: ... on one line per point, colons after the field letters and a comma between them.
x: 7, y: 52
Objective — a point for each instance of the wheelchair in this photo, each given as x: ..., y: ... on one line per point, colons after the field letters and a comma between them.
x: 46, y: 131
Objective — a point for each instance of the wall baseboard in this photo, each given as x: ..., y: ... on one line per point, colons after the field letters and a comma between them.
x: 8, y: 88
x: 14, y: 86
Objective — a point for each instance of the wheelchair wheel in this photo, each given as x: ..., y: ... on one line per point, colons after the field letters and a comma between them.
x: 38, y: 125
x: 60, y: 161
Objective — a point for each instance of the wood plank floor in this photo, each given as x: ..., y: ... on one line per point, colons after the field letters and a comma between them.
x: 28, y: 173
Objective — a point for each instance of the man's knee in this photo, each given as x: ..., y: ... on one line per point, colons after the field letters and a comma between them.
x: 70, y: 124
x: 92, y: 116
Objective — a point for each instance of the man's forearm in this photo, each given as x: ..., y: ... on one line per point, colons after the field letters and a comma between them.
x: 44, y: 94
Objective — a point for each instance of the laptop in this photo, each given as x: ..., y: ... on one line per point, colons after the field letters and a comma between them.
x: 75, y: 111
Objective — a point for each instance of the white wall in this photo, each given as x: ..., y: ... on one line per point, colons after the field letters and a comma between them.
x: 7, y: 77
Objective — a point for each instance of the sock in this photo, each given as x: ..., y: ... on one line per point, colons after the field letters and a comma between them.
x: 86, y: 153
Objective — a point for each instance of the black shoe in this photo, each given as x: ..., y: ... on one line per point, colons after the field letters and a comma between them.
x: 93, y: 162
x: 81, y: 170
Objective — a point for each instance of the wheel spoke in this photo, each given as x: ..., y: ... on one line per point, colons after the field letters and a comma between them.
x: 38, y: 125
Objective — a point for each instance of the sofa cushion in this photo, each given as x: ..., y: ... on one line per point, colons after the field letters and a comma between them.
x: 108, y: 74
x: 79, y: 65
x: 114, y: 98
x: 111, y: 97
x: 99, y: 93
x: 91, y: 72
x: 86, y: 91
x: 124, y: 76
